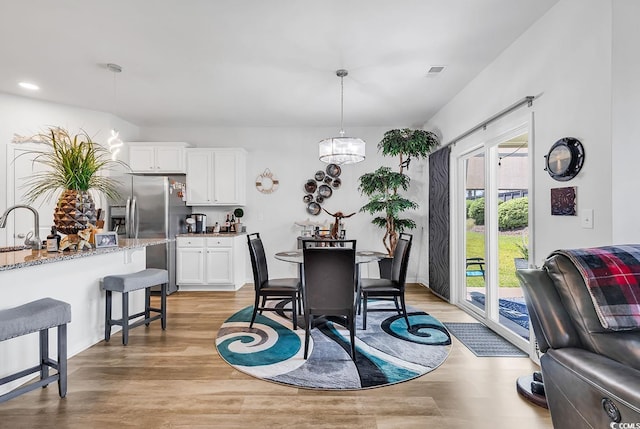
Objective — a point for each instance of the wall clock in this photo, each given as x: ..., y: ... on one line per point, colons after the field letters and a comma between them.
x: 565, y: 159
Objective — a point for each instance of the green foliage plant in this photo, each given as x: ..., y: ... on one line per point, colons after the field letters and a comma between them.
x: 73, y: 163
x: 513, y: 213
x: 383, y: 185
x: 476, y: 211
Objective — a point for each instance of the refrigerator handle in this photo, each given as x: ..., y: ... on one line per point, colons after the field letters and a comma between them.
x: 135, y: 219
x: 127, y: 219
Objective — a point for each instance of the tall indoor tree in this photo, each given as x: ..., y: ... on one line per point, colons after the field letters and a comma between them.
x: 383, y: 185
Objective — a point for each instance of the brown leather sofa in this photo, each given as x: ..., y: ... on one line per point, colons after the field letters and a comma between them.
x: 591, y: 375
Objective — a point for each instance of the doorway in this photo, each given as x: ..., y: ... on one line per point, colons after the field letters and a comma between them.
x: 491, y: 230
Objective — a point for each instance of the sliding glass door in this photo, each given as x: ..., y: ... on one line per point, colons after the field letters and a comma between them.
x: 492, y: 231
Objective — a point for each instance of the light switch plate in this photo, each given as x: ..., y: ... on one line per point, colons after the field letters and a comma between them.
x: 586, y: 218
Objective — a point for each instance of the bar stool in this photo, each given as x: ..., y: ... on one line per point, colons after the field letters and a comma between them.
x: 125, y: 283
x: 38, y: 316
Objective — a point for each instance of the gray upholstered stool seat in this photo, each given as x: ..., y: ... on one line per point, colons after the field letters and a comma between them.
x: 125, y: 283
x: 38, y: 316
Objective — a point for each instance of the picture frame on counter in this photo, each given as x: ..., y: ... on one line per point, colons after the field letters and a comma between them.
x: 106, y: 239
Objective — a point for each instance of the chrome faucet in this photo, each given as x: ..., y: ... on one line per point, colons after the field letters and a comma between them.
x: 35, y: 242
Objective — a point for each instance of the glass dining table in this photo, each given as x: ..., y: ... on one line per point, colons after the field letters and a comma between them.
x: 362, y: 256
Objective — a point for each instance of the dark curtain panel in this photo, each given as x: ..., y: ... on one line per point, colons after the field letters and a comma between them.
x: 439, y: 281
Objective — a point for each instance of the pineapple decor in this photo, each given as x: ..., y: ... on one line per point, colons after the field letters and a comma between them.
x: 73, y: 164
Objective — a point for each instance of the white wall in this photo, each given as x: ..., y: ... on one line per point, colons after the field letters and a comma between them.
x: 565, y: 58
x: 626, y: 123
x: 290, y: 153
x: 25, y: 116
x: 292, y: 156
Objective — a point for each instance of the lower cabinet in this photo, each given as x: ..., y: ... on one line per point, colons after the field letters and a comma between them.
x: 210, y: 263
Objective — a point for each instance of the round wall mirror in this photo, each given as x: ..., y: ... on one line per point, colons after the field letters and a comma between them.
x: 565, y: 159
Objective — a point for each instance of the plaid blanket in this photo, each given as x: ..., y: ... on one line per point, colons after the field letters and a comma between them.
x: 612, y: 276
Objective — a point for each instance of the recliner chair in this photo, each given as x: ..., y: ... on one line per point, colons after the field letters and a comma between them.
x: 591, y: 374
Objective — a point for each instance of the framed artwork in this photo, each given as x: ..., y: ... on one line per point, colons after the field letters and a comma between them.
x: 106, y: 239
x: 563, y: 201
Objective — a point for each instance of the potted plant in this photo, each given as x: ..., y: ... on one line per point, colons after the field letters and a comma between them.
x: 238, y: 213
x: 73, y: 166
x: 522, y: 262
x: 383, y: 185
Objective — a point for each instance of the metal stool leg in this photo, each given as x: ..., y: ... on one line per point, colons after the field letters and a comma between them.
x: 107, y: 317
x: 62, y: 360
x: 44, y: 354
x: 163, y: 305
x: 125, y: 318
x: 147, y: 304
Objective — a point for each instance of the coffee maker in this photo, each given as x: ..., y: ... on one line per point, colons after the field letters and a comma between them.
x: 200, y: 226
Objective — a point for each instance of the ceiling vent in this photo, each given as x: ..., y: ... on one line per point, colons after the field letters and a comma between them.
x: 434, y: 70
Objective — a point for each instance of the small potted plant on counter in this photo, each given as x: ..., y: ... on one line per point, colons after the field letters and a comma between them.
x: 238, y: 213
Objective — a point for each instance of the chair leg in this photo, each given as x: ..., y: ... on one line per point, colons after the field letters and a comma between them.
x: 44, y: 354
x: 264, y: 303
x: 255, y: 310
x: 62, y: 360
x: 352, y: 334
x: 307, y: 331
x: 365, y: 297
x: 404, y: 311
x: 107, y: 317
x: 163, y: 305
x: 125, y: 318
x: 294, y: 311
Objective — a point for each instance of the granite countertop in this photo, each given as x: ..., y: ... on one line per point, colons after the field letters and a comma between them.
x: 25, y: 258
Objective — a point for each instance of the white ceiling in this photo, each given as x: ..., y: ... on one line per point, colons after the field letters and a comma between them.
x: 256, y: 62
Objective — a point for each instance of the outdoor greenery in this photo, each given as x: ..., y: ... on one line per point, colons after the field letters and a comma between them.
x: 513, y: 213
x: 508, y: 249
x: 475, y: 211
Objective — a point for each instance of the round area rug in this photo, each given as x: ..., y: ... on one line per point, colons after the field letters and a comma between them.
x: 386, y: 352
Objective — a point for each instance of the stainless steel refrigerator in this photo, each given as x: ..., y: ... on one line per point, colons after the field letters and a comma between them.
x: 151, y: 207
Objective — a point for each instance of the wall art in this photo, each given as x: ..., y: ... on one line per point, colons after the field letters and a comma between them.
x: 563, y: 201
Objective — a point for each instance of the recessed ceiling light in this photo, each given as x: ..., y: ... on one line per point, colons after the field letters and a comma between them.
x: 30, y: 86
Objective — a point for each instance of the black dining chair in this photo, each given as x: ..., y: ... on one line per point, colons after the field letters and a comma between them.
x: 270, y: 289
x: 389, y: 289
x: 330, y: 284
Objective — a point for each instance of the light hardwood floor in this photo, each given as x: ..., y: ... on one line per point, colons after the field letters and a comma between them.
x: 175, y: 379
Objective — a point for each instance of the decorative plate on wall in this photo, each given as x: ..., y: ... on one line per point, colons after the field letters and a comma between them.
x: 333, y: 170
x: 325, y: 191
x: 313, y: 208
x: 311, y: 186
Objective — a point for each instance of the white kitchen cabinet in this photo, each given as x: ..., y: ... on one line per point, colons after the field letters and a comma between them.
x: 210, y: 263
x: 219, y: 261
x: 157, y: 157
x: 216, y: 176
x: 190, y: 261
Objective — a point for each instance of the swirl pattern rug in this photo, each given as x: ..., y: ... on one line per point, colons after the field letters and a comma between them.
x: 386, y: 352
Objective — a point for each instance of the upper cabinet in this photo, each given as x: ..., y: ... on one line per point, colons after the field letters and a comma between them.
x: 157, y: 157
x: 216, y: 176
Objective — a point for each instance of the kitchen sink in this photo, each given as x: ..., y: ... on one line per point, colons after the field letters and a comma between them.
x: 12, y: 248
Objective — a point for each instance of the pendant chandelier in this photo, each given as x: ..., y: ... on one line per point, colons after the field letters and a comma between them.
x: 114, y: 141
x: 341, y: 150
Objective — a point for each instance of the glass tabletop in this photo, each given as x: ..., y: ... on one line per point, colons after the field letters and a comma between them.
x: 362, y: 256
